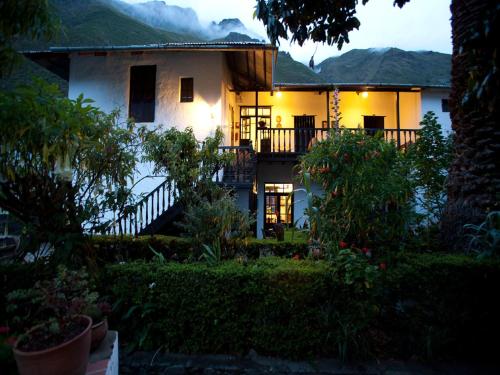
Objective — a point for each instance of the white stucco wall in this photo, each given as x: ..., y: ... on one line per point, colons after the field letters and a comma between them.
x: 431, y: 101
x: 106, y: 80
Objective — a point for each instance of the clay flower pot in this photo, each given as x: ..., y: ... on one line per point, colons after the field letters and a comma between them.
x: 68, y: 358
x: 99, y: 332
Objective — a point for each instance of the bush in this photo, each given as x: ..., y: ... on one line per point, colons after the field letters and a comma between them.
x: 430, y: 157
x: 109, y: 249
x: 367, y: 194
x: 423, y: 305
x: 217, y: 222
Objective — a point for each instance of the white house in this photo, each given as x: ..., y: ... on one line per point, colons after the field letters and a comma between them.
x: 266, y: 123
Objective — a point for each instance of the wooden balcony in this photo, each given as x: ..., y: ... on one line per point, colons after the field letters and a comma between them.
x: 241, y: 171
x: 292, y: 141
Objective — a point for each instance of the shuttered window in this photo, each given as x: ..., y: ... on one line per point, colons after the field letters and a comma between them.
x: 187, y: 90
x: 142, y: 93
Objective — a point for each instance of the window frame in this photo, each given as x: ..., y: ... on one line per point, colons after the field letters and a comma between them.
x: 145, y: 106
x: 186, y: 99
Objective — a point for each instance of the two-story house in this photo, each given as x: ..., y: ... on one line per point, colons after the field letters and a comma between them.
x: 266, y: 124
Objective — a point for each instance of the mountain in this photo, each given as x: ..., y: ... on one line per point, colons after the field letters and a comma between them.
x: 388, y: 65
x: 23, y: 73
x: 94, y: 22
x: 236, y: 37
x: 290, y: 71
x: 159, y: 15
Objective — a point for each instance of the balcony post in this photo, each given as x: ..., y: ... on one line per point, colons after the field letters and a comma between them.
x: 328, y: 108
x: 256, y: 117
x: 398, y: 119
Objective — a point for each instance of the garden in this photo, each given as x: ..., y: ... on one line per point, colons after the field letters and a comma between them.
x: 368, y: 277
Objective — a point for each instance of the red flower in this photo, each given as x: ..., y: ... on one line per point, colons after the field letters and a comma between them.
x: 365, y: 250
x: 383, y: 266
x: 343, y: 245
x: 347, y: 157
x: 296, y: 257
x: 4, y: 330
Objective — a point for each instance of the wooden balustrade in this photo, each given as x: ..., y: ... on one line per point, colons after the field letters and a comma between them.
x: 298, y: 141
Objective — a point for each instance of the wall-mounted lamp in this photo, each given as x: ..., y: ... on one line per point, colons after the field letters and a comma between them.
x: 279, y: 94
x: 364, y: 94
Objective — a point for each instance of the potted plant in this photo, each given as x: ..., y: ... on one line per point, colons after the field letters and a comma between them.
x: 59, y: 342
x: 99, y: 313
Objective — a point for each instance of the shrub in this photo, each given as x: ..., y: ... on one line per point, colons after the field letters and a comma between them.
x: 366, y: 189
x: 430, y: 157
x: 109, y: 249
x: 63, y: 163
x: 216, y: 223
x: 426, y: 306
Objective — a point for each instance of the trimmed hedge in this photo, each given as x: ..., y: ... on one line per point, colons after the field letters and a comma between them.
x: 106, y: 249
x: 431, y: 306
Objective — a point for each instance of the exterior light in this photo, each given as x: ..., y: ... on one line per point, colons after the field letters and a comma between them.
x: 364, y: 94
x: 279, y: 94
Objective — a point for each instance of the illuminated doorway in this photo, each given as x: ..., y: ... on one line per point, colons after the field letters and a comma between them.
x: 278, y: 200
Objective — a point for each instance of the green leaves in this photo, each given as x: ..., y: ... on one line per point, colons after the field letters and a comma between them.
x: 366, y: 189
x: 318, y: 20
x: 63, y: 163
x: 430, y: 157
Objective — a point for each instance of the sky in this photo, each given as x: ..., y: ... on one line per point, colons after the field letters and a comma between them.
x: 419, y: 25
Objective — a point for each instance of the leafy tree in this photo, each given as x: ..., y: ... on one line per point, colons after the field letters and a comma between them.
x: 319, y: 20
x: 185, y: 162
x: 474, y: 179
x: 64, y: 165
x: 30, y: 18
x: 431, y: 157
x: 366, y: 190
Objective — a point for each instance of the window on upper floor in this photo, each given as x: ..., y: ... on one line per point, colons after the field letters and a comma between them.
x: 186, y: 90
x: 445, y: 106
x: 142, y: 93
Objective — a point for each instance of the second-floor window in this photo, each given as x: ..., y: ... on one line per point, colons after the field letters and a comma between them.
x: 142, y: 93
x: 187, y: 90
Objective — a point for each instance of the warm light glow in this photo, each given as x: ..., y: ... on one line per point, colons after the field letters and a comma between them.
x: 278, y: 94
x: 364, y: 94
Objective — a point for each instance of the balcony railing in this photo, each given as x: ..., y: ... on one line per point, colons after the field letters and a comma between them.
x: 241, y: 170
x: 298, y: 141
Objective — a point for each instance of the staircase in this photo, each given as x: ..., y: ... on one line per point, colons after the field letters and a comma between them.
x: 150, y: 215
x: 160, y: 208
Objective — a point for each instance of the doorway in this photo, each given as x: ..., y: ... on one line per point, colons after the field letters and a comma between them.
x: 278, y: 200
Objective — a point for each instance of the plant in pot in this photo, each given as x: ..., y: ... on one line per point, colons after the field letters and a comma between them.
x: 60, y: 337
x: 99, y: 313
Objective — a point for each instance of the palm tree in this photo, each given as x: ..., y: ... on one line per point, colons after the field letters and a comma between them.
x: 474, y: 177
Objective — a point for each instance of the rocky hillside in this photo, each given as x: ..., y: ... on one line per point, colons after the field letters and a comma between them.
x: 113, y: 22
x: 388, y: 65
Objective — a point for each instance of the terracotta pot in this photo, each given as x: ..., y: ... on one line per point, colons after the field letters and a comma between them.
x: 99, y: 332
x: 69, y: 358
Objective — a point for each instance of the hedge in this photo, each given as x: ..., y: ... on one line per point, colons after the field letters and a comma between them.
x: 424, y: 305
x: 106, y: 249
x: 430, y: 306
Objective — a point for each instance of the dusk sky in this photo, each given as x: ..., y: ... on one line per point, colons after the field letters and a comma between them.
x: 420, y: 25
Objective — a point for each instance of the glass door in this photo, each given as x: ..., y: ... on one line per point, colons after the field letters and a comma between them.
x: 278, y: 205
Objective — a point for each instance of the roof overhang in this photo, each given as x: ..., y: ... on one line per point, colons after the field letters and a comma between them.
x: 356, y: 87
x: 250, y: 63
